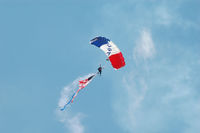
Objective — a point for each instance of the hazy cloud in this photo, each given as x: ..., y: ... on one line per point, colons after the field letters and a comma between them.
x: 162, y: 99
x: 164, y: 17
x: 144, y: 46
x: 71, y: 121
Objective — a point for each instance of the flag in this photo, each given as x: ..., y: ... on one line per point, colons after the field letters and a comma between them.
x: 82, y: 84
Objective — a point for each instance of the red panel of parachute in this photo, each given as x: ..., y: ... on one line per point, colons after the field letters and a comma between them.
x: 117, y: 60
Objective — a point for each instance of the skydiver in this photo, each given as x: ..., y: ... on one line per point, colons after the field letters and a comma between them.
x: 99, y: 70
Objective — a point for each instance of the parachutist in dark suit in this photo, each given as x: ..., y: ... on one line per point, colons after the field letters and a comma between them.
x: 100, y: 70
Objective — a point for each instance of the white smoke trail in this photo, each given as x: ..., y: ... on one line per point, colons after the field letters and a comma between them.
x: 71, y: 121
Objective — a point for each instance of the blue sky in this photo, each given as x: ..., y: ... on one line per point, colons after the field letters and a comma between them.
x: 44, y: 48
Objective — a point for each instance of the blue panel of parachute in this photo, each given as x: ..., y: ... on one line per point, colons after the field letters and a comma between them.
x: 99, y: 41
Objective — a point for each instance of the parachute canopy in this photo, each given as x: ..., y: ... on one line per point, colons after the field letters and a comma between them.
x: 111, y: 50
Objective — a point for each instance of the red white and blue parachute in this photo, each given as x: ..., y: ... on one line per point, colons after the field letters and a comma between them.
x: 111, y: 50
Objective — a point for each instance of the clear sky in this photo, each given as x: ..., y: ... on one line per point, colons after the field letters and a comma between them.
x: 44, y: 47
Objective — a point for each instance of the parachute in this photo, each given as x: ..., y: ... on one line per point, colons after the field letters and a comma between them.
x: 111, y: 50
